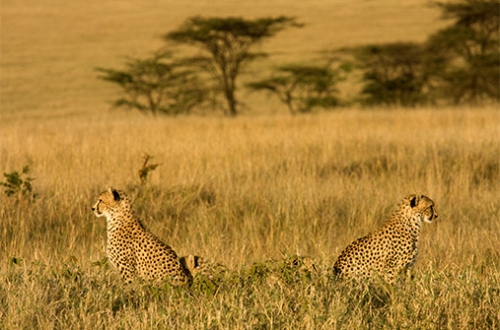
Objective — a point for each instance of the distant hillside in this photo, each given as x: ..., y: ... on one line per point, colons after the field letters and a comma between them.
x: 49, y: 48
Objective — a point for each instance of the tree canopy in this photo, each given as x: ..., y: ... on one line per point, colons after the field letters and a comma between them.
x: 226, y: 44
x: 399, y: 73
x: 458, y: 64
x: 302, y: 87
x: 472, y: 46
x: 157, y: 84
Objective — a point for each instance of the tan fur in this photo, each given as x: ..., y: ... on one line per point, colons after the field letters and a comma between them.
x: 392, y: 248
x: 132, y: 249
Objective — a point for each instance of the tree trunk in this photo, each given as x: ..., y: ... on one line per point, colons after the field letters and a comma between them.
x: 229, y: 90
x: 231, y: 102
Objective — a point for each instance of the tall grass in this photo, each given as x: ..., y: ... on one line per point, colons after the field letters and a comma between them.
x: 243, y: 191
x: 250, y: 193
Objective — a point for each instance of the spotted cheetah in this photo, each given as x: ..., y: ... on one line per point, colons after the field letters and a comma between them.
x: 391, y: 249
x: 132, y: 249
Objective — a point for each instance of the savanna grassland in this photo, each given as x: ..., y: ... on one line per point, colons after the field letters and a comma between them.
x: 246, y: 190
x: 255, y: 194
x: 50, y: 48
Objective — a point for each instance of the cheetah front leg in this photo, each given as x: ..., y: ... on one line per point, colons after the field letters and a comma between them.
x: 127, y: 272
x: 124, y: 262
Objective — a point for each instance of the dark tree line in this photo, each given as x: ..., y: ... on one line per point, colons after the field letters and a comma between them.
x: 402, y: 74
x: 458, y: 64
x: 302, y: 87
x: 471, y: 47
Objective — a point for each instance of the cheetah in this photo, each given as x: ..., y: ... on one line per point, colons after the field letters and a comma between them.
x: 132, y: 249
x: 391, y: 249
x: 192, y: 263
x: 201, y: 268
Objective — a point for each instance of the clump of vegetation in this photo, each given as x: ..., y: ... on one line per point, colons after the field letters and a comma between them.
x: 302, y: 87
x: 266, y: 295
x: 18, y: 185
x: 471, y: 48
x: 146, y: 168
x: 226, y: 47
x: 158, y: 84
x: 398, y: 74
x: 457, y: 64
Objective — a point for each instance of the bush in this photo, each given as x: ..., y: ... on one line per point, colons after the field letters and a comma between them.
x: 18, y: 184
x: 302, y: 87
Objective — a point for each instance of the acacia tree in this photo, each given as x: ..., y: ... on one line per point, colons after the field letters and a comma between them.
x: 158, y: 85
x: 302, y: 87
x: 398, y: 73
x: 472, y: 46
x: 226, y: 44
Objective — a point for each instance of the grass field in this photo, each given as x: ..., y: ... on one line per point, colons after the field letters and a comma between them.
x: 245, y: 190
x: 253, y: 193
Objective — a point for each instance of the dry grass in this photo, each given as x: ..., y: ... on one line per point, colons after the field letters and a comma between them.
x: 244, y: 190
x: 237, y: 191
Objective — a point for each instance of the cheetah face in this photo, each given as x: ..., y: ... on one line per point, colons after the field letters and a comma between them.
x: 424, y: 207
x: 106, y: 202
x: 429, y: 214
x: 99, y: 208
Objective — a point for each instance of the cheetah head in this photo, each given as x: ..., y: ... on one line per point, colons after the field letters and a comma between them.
x: 423, y: 207
x: 110, y: 202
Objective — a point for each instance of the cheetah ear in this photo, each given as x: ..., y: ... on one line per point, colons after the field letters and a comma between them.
x: 414, y: 201
x: 115, y: 193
